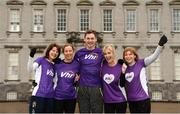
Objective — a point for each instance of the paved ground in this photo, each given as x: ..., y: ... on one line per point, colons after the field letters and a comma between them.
x: 22, y: 107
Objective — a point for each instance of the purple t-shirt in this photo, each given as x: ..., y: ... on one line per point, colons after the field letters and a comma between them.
x: 136, y: 82
x: 112, y: 92
x: 66, y: 73
x: 90, y: 63
x: 44, y: 75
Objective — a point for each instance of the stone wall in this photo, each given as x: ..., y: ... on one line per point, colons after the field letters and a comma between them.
x: 23, y: 91
x: 168, y: 90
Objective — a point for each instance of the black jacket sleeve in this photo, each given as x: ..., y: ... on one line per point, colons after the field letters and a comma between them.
x: 122, y: 80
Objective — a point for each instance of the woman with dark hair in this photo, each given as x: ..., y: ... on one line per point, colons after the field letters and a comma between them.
x: 42, y: 96
x: 67, y: 74
x: 135, y: 76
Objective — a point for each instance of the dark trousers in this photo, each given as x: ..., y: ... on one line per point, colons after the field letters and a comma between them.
x: 115, y: 107
x: 40, y: 105
x: 143, y: 106
x: 90, y: 100
x: 67, y: 106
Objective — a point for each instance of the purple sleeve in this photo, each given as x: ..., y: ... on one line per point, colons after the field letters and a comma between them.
x: 142, y: 62
x: 38, y: 60
x: 76, y: 56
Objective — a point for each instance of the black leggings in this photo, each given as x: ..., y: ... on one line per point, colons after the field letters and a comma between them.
x: 40, y: 105
x: 67, y: 106
x: 143, y: 106
x: 115, y: 107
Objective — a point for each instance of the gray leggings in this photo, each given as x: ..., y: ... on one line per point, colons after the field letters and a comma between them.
x: 90, y: 100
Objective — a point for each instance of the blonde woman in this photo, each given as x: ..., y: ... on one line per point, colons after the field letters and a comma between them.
x: 114, y: 96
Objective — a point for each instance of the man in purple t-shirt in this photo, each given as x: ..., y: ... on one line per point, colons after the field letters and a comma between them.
x: 90, y: 58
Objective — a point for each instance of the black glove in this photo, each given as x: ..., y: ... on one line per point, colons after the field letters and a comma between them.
x: 34, y: 84
x: 32, y: 52
x: 120, y: 61
x: 163, y: 40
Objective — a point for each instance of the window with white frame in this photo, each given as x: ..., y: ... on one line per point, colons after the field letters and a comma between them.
x: 154, y: 20
x: 178, y: 96
x: 156, y: 95
x: 61, y: 20
x: 13, y: 64
x: 84, y: 20
x: 38, y: 20
x: 177, y: 65
x: 176, y: 20
x: 107, y: 20
x: 11, y: 96
x: 130, y: 20
x: 14, y: 20
x: 155, y: 70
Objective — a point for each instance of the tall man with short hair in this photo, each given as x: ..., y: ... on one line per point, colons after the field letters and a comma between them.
x: 90, y: 58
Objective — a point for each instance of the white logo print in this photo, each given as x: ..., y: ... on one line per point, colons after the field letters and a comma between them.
x: 129, y: 76
x: 91, y: 56
x: 108, y: 78
x: 68, y: 74
x: 50, y: 72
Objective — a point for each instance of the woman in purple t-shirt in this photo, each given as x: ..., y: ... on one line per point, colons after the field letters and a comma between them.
x: 113, y: 94
x: 135, y: 76
x: 65, y: 91
x: 42, y: 96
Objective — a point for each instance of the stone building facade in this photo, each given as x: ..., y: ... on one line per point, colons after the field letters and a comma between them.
x: 25, y: 24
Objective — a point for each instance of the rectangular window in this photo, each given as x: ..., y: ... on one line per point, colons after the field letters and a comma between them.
x: 178, y: 96
x: 155, y: 71
x: 13, y: 64
x: 11, y: 96
x: 157, y: 95
x: 176, y: 20
x: 177, y: 66
x: 38, y: 20
x: 84, y: 20
x: 131, y: 20
x: 107, y: 20
x: 14, y: 20
x: 154, y: 20
x: 61, y: 20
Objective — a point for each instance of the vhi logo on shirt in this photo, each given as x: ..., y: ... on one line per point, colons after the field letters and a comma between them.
x: 68, y: 74
x: 91, y: 56
x: 50, y: 72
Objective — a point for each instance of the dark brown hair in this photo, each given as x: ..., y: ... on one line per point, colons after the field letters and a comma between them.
x: 49, y: 48
x: 90, y: 32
